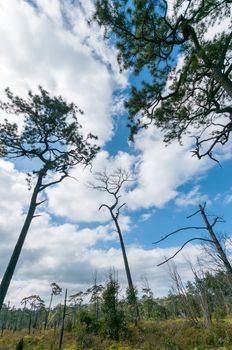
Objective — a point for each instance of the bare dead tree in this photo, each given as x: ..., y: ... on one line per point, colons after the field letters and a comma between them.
x: 203, y: 293
x: 186, y: 307
x: 213, y: 239
x: 211, y: 257
x: 113, y: 184
x: 219, y: 250
x: 56, y: 290
x: 63, y: 319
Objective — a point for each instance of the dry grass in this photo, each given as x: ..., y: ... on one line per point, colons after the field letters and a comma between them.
x: 167, y: 335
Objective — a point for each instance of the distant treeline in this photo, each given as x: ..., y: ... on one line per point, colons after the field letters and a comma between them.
x: 102, y: 310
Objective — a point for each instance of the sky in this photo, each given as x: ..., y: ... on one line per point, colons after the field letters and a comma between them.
x: 53, y: 46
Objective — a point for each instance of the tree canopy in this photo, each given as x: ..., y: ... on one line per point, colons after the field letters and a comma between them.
x: 184, y: 77
x: 50, y: 133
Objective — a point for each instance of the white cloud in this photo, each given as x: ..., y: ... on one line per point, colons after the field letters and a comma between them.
x: 67, y: 57
x: 218, y: 27
x: 145, y: 216
x: 224, y: 197
x: 40, y: 50
x: 159, y: 171
x: 69, y: 257
x: 228, y: 197
x: 14, y: 197
x: 67, y: 254
x: 194, y: 197
x: 162, y: 169
x: 64, y: 61
x: 83, y: 201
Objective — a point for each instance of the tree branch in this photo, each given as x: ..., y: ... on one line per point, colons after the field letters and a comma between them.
x: 53, y: 182
x: 179, y: 250
x: 179, y: 230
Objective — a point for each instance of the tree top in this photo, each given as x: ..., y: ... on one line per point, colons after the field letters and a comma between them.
x: 50, y: 133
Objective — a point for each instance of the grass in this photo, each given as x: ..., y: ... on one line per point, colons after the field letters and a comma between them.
x: 165, y: 335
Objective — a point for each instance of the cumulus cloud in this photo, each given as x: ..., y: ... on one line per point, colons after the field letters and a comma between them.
x: 162, y: 169
x: 228, y: 197
x: 83, y: 201
x: 146, y: 216
x: 54, y: 47
x: 69, y: 257
x: 41, y: 49
x: 68, y: 254
x: 194, y: 197
x: 57, y: 49
x: 158, y: 172
x: 14, y: 197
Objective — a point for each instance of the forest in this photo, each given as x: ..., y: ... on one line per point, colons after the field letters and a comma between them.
x: 177, y: 59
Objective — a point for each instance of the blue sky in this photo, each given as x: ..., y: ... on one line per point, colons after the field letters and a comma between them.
x: 72, y: 239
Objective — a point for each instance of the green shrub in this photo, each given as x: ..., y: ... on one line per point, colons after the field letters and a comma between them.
x: 88, y: 321
x: 119, y: 346
x: 114, y: 322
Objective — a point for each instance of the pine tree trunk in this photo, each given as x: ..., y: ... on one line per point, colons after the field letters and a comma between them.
x: 222, y: 79
x: 129, y: 278
x: 47, y: 312
x: 63, y: 318
x: 18, y: 247
x: 128, y: 274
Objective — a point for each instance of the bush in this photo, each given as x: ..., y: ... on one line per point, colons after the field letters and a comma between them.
x: 88, y: 321
x: 114, y: 322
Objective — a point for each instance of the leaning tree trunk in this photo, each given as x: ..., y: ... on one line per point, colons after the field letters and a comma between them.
x: 18, y: 247
x: 127, y: 268
x: 216, y: 243
x: 128, y: 274
x: 63, y: 319
x: 47, y: 312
